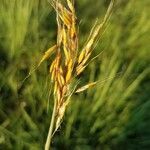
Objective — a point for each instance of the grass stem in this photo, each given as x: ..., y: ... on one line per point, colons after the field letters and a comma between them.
x: 50, y: 132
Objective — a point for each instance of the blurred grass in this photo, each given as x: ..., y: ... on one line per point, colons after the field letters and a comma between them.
x: 112, y: 115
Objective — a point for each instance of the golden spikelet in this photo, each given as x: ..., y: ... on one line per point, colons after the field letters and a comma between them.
x: 70, y: 5
x: 64, y: 36
x: 52, y: 66
x: 60, y: 70
x: 55, y: 87
x: 83, y: 88
x: 80, y: 70
x: 47, y: 54
x: 64, y: 14
x: 86, y: 58
x: 68, y: 75
x: 70, y: 63
x: 61, y: 112
x: 60, y: 80
x: 81, y: 56
x: 52, y: 75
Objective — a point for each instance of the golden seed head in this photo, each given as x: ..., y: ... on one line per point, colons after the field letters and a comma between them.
x: 62, y: 68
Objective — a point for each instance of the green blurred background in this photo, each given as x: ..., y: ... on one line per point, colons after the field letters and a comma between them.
x: 114, y: 115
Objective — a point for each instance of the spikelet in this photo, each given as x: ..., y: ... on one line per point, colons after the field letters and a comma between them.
x: 64, y: 14
x: 83, y: 88
x: 70, y: 64
x: 86, y: 59
x: 60, y: 80
x: 52, y: 66
x: 53, y: 75
x: 64, y: 36
x: 73, y: 31
x: 70, y: 5
x: 60, y: 70
x: 64, y: 90
x: 80, y: 69
x: 81, y: 56
x: 68, y: 75
x: 61, y: 112
x: 59, y: 95
x: 66, y: 52
x: 59, y: 36
x: 47, y: 54
x: 55, y: 88
x: 69, y: 70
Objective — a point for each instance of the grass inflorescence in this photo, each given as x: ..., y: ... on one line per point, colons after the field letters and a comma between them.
x: 69, y: 62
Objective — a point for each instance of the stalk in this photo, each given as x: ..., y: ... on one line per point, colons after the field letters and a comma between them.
x: 50, y: 132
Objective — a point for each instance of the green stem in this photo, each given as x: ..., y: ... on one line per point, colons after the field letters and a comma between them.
x: 50, y: 132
